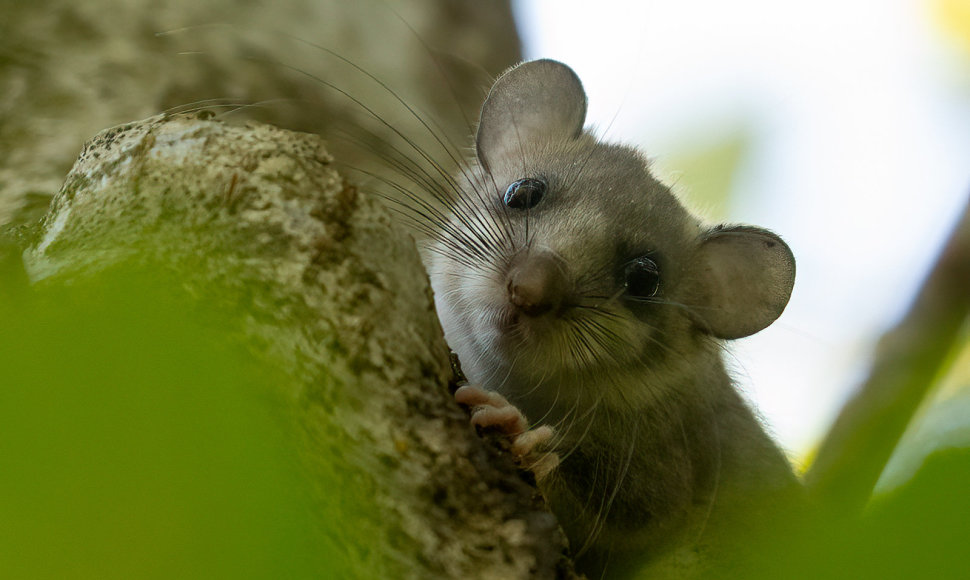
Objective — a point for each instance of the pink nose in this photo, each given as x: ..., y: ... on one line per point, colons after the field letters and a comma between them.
x: 537, y: 284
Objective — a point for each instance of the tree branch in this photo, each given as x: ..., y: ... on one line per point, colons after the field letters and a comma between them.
x: 908, y: 357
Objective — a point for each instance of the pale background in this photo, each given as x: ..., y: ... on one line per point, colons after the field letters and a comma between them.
x: 843, y: 125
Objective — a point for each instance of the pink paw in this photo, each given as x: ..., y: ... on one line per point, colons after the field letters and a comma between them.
x: 491, y: 410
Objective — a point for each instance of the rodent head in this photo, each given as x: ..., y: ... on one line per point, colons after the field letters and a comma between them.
x: 564, y: 257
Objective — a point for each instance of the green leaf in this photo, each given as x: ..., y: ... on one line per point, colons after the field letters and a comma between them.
x: 138, y: 440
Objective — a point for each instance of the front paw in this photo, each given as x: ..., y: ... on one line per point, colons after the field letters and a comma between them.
x: 491, y: 411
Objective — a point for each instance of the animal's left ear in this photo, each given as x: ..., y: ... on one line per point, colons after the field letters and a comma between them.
x: 739, y: 281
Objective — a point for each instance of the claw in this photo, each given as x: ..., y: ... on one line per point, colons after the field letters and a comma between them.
x: 491, y: 410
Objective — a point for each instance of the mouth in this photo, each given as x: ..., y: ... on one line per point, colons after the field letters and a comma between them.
x: 517, y: 330
x: 506, y: 320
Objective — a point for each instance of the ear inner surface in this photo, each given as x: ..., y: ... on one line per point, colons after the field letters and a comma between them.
x: 740, y: 281
x: 540, y: 99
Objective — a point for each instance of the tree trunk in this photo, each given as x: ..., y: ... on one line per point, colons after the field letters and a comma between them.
x: 257, y: 223
x: 71, y: 69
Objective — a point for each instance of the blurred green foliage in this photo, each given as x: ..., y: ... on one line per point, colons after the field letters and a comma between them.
x: 920, y: 530
x: 704, y: 171
x: 942, y: 421
x: 138, y: 440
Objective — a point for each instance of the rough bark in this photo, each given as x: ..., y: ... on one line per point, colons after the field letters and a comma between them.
x: 257, y: 223
x: 70, y: 69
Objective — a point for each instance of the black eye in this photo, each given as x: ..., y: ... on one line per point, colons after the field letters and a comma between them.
x: 524, y: 193
x: 642, y: 278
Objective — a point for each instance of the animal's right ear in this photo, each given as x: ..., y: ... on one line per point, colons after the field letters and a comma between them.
x: 536, y: 99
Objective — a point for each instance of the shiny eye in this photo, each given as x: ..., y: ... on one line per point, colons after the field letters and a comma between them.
x: 524, y: 193
x: 642, y: 278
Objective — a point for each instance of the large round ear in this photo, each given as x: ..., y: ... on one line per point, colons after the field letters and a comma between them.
x: 536, y: 99
x: 739, y: 281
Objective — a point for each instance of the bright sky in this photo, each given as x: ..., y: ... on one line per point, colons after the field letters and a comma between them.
x: 860, y: 112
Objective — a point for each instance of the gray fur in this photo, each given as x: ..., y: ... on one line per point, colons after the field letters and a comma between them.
x: 659, y: 452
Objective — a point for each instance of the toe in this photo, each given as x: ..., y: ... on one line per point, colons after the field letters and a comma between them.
x: 473, y: 396
x: 508, y: 419
x: 525, y: 443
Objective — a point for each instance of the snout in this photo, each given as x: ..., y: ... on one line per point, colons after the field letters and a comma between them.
x: 537, y: 283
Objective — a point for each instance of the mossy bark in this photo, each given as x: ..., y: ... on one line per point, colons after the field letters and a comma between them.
x: 255, y: 223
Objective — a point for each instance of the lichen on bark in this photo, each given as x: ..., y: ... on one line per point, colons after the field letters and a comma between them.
x: 255, y: 223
